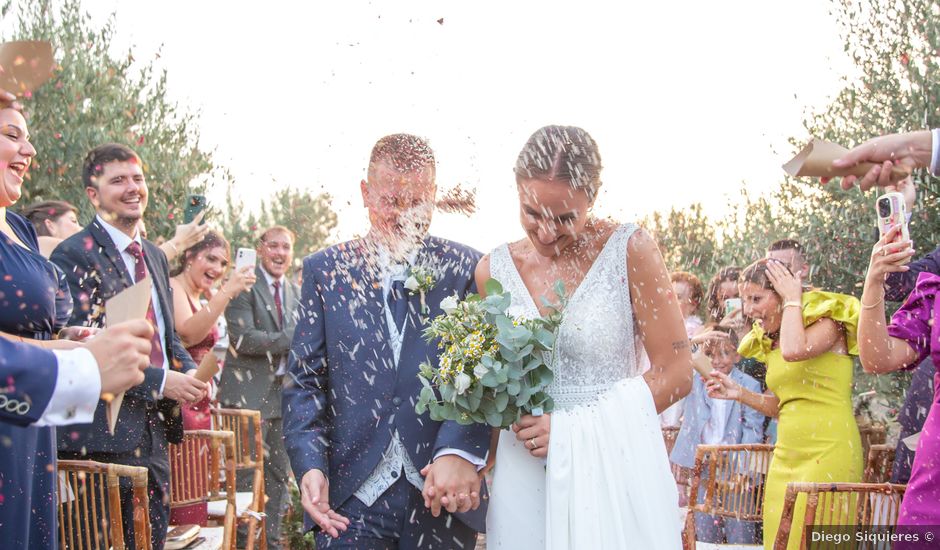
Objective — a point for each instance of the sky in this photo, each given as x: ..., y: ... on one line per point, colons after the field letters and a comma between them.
x: 687, y: 100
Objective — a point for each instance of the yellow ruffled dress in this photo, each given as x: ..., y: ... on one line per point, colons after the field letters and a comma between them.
x: 817, y: 437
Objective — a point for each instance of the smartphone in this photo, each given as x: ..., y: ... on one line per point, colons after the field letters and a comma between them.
x: 732, y: 304
x: 245, y: 256
x: 892, y: 211
x: 194, y: 205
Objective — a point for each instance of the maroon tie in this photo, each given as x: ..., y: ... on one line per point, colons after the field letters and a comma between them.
x: 140, y: 273
x: 277, y: 303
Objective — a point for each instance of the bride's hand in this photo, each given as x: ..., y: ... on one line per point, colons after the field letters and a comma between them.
x: 533, y: 432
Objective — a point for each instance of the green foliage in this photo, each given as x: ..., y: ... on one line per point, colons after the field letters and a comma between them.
x: 309, y: 216
x: 292, y: 524
x: 95, y: 98
x: 894, y: 45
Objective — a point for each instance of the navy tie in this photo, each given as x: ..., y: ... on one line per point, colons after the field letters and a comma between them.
x: 398, y: 303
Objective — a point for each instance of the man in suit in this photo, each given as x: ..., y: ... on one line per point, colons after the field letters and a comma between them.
x: 261, y: 325
x: 710, y: 421
x: 355, y: 442
x: 99, y: 262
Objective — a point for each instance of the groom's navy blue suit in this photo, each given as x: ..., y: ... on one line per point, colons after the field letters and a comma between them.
x: 344, y: 398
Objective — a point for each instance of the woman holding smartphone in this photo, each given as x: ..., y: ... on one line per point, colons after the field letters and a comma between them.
x: 806, y: 339
x: 201, y: 267
x: 911, y: 336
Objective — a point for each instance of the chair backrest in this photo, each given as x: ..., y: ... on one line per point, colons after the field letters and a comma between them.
x: 879, y: 464
x: 871, y: 434
x: 246, y: 425
x: 670, y: 434
x: 202, y: 468
x: 730, y: 479
x: 90, y: 505
x: 859, y: 504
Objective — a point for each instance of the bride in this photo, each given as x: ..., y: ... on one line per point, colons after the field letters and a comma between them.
x: 594, y: 473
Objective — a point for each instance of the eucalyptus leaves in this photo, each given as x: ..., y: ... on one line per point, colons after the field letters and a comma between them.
x: 493, y: 367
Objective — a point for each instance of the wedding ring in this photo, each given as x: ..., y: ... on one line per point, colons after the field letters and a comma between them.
x: 534, y: 445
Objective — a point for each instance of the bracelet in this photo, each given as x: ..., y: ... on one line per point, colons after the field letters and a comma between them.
x: 873, y: 306
x: 792, y: 303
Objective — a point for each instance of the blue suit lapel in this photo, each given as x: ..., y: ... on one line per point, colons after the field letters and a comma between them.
x: 109, y: 250
x: 369, y: 312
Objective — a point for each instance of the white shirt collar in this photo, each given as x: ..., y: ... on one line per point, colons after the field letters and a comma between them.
x: 121, y: 240
x: 270, y: 278
x: 388, y: 268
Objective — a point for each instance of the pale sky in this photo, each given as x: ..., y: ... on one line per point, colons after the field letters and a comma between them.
x: 686, y: 100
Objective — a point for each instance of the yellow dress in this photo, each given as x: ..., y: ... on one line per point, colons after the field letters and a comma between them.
x: 817, y: 435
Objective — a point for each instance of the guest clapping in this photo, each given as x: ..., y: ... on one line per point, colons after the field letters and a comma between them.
x: 54, y: 221
x: 806, y: 339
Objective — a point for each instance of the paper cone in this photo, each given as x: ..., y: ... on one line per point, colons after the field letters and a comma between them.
x: 129, y: 304
x: 911, y: 441
x: 25, y: 66
x: 815, y: 161
x: 208, y: 367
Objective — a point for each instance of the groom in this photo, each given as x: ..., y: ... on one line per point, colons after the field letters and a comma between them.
x: 351, y: 431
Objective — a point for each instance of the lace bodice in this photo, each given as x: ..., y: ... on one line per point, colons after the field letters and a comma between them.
x: 596, y: 344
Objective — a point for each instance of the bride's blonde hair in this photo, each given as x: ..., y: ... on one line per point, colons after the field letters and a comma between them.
x: 562, y: 153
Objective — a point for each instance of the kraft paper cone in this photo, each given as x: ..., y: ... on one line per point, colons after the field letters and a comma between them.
x: 129, y: 304
x: 815, y: 161
x: 208, y: 367
x: 25, y: 65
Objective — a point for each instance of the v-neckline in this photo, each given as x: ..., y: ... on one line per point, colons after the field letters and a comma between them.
x: 571, y: 297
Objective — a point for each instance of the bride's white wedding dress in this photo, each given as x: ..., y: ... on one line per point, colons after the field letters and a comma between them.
x: 607, y: 482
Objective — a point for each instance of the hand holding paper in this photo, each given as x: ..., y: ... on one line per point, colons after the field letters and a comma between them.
x: 122, y: 353
x: 818, y: 160
x: 130, y: 304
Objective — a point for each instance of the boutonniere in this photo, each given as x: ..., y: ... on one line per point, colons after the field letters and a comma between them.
x: 420, y: 279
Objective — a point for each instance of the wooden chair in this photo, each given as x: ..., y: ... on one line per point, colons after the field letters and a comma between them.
x: 206, y: 452
x: 859, y: 504
x: 249, y: 455
x: 879, y: 464
x: 733, y: 487
x: 670, y: 434
x: 90, y: 515
x: 872, y: 434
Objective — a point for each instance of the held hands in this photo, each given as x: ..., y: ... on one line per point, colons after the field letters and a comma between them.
x: 720, y: 386
x: 122, y: 353
x: 784, y: 282
x: 240, y: 281
x: 887, y: 255
x: 533, y: 432
x: 315, y: 498
x: 183, y: 387
x: 452, y: 483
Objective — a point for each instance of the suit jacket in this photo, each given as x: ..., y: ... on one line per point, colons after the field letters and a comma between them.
x: 256, y: 346
x: 28, y: 375
x: 344, y: 397
x: 744, y: 424
x: 95, y: 272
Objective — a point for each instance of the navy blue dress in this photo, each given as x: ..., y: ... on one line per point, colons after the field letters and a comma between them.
x: 34, y: 303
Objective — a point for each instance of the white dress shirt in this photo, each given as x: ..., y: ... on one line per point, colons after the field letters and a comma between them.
x: 270, y: 279
x: 77, y: 389
x: 121, y: 242
x: 713, y: 433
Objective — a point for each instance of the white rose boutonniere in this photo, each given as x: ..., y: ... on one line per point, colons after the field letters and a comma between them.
x: 449, y: 304
x: 420, y: 279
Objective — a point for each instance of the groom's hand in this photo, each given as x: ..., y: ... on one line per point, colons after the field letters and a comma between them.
x: 315, y: 498
x: 451, y: 482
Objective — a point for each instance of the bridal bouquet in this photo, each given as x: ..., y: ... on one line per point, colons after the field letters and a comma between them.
x: 493, y: 367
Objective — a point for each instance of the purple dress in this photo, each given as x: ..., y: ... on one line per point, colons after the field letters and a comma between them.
x: 914, y: 323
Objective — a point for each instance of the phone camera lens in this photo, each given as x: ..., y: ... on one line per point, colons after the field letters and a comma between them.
x: 884, y: 208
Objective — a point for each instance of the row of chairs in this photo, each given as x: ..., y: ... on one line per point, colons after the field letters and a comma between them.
x: 732, y: 479
x: 202, y: 471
